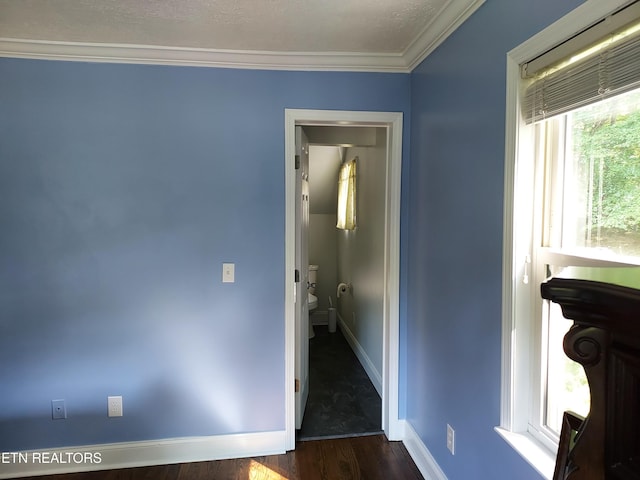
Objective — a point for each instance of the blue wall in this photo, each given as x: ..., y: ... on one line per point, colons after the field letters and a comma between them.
x: 123, y: 189
x: 453, y: 323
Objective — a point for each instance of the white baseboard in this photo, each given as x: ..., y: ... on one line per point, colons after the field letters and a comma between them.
x: 420, y: 454
x: 178, y: 450
x: 141, y: 454
x: 364, y: 359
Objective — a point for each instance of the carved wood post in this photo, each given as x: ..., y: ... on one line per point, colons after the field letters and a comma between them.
x: 604, y: 304
x: 588, y: 346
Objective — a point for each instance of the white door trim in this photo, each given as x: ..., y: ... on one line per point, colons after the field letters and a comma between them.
x: 390, y: 357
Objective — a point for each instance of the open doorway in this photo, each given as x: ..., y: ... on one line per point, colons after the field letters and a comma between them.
x: 388, y: 125
x: 344, y: 379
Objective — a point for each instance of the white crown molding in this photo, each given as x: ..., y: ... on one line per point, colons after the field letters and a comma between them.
x: 199, y: 57
x: 452, y: 15
x: 445, y: 22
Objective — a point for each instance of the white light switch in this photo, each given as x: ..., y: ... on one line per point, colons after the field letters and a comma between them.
x: 228, y: 272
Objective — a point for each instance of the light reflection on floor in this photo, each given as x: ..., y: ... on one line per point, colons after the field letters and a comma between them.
x: 258, y: 471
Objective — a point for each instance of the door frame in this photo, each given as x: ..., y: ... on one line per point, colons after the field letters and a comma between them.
x: 391, y: 304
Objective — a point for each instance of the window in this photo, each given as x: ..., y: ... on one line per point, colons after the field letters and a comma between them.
x: 588, y: 194
x: 572, y: 197
x: 347, y: 196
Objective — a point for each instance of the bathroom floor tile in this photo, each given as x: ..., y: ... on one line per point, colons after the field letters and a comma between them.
x: 342, y: 400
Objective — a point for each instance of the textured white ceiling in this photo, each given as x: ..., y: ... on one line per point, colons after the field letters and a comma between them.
x: 370, y: 27
x: 275, y: 25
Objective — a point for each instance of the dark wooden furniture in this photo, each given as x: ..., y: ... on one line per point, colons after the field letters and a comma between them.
x: 604, y: 304
x: 571, y: 424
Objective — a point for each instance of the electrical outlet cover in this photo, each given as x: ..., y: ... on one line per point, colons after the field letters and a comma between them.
x: 451, y: 439
x: 114, y: 406
x: 58, y: 409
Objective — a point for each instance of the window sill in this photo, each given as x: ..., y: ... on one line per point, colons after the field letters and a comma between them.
x: 534, y: 452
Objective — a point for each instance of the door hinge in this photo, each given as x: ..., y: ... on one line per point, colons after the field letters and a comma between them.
x: 296, y: 276
x: 297, y: 162
x: 297, y: 385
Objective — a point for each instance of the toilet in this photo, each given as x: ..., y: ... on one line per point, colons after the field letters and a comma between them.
x: 312, y: 300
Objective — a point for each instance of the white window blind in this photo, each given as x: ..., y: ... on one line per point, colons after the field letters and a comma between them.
x: 600, y: 69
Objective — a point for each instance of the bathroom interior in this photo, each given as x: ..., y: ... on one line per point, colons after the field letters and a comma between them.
x: 346, y: 284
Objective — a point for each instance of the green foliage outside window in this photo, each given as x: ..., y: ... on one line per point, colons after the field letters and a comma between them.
x: 606, y: 140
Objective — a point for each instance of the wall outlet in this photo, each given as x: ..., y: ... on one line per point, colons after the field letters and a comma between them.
x: 114, y: 406
x: 58, y: 409
x: 451, y: 439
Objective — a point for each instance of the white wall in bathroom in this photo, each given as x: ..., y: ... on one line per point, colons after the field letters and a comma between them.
x: 355, y: 257
x: 323, y: 251
x: 324, y: 165
x: 361, y: 252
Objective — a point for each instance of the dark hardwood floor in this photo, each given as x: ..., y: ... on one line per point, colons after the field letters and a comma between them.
x: 367, y: 458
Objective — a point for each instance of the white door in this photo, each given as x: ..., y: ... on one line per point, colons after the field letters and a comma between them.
x: 302, y: 277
